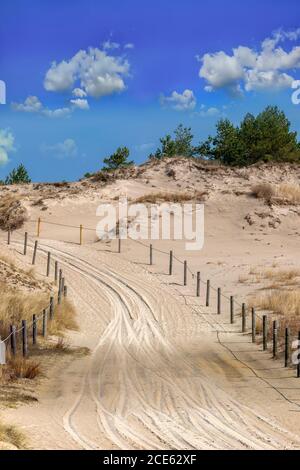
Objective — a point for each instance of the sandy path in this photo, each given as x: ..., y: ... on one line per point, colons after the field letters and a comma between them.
x: 157, y: 378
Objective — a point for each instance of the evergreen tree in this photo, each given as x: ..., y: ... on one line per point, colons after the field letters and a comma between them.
x: 119, y: 159
x: 18, y: 175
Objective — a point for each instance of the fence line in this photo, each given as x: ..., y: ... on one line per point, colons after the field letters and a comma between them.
x: 46, y: 315
x: 233, y: 301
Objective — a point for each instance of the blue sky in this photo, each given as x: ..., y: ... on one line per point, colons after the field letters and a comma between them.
x: 84, y: 77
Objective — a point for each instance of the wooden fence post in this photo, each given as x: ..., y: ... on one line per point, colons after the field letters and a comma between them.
x: 59, y: 297
x: 38, y: 231
x: 151, y: 255
x: 119, y: 244
x: 45, y: 320
x: 65, y: 291
x: 171, y: 263
x: 34, y: 252
x: 265, y: 332
x: 253, y: 325
x: 287, y: 347
x: 25, y: 243
x: 24, y: 338
x: 198, y: 284
x: 219, y: 301
x: 8, y: 236
x: 275, y: 339
x: 62, y: 285
x: 13, y: 340
x: 34, y: 329
x: 55, y: 271
x: 207, y: 292
x: 48, y: 263
x: 244, y: 319
x: 51, y: 307
x: 185, y: 273
x: 80, y: 234
x: 231, y: 309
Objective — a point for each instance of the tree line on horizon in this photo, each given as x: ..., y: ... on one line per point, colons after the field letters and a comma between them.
x: 266, y: 137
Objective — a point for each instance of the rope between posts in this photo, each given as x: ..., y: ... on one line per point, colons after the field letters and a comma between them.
x: 193, y: 274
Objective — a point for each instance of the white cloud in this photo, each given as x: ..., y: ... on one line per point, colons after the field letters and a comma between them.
x: 79, y: 93
x: 67, y: 148
x: 208, y: 111
x: 31, y: 105
x: 57, y: 113
x: 181, y: 102
x: 106, y: 45
x: 80, y: 103
x: 7, y: 141
x: 247, y: 69
x: 99, y: 74
x: 129, y: 45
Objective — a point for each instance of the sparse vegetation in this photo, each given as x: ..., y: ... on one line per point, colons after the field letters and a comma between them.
x: 20, y: 368
x: 153, y: 198
x: 12, y: 213
x: 283, y: 193
x: 17, y: 306
x: 282, y: 302
x: 11, y: 436
x: 289, y: 193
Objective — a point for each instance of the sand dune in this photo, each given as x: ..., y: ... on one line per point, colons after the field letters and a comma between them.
x: 165, y: 372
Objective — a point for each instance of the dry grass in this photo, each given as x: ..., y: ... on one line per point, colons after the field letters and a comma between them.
x: 17, y: 305
x: 282, y: 302
x: 153, y: 198
x: 282, y: 276
x: 283, y: 193
x: 64, y: 319
x: 289, y: 193
x: 12, y: 213
x: 10, y: 435
x: 279, y: 278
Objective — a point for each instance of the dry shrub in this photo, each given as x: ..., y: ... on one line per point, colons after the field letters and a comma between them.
x: 263, y: 191
x: 10, y: 435
x: 12, y: 213
x: 153, y: 198
x: 21, y: 368
x: 102, y: 176
x: 61, y: 345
